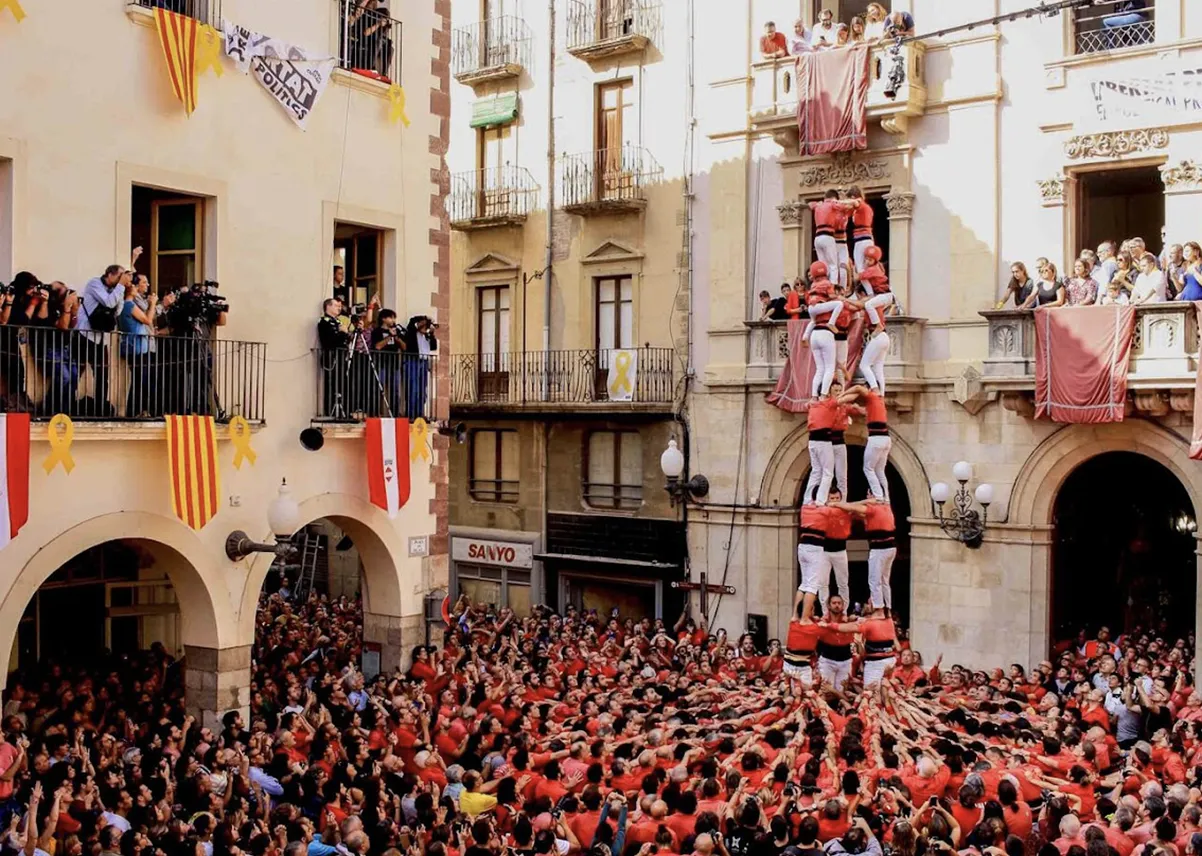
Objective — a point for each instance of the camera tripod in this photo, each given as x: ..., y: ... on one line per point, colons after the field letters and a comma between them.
x: 339, y: 410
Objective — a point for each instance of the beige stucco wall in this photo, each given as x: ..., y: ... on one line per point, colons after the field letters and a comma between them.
x: 75, y: 135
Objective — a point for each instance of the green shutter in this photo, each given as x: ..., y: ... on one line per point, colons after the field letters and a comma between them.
x: 500, y: 110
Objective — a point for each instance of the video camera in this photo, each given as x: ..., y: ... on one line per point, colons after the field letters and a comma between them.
x: 200, y: 304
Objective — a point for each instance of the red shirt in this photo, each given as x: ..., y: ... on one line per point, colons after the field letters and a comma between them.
x: 793, y: 304
x: 829, y: 217
x: 878, y: 630
x: 874, y: 408
x: 876, y: 277
x: 822, y: 414
x: 861, y: 220
x: 813, y: 517
x: 878, y: 519
x: 802, y: 638
x: 773, y: 44
x: 838, y: 524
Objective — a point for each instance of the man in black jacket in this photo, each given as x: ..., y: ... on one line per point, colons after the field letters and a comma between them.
x: 333, y: 340
x: 419, y: 343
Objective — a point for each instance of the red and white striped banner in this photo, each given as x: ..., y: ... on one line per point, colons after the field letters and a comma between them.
x: 388, y: 463
x: 14, y: 475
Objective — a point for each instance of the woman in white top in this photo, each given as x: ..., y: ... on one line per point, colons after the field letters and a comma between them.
x: 874, y: 22
x: 1150, y: 285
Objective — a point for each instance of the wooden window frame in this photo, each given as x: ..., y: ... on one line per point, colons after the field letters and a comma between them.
x: 498, y: 290
x: 618, y: 280
x: 617, y: 499
x: 351, y: 267
x: 156, y: 205
x: 499, y: 490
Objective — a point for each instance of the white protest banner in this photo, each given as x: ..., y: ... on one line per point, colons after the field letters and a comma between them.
x: 623, y: 374
x: 1169, y: 98
x: 293, y: 76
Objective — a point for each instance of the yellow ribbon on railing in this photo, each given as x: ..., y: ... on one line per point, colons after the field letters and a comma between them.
x: 13, y: 6
x: 418, y: 445
x: 240, y: 437
x: 622, y: 367
x: 208, y: 51
x: 396, y: 105
x: 60, y: 443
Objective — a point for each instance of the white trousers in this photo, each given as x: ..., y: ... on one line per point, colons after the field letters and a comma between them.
x: 822, y: 471
x: 880, y: 569
x: 834, y: 672
x: 840, y: 454
x: 812, y: 560
x: 844, y: 258
x: 822, y: 344
x: 805, y: 674
x: 841, y: 359
x: 860, y: 247
x: 874, y: 670
x: 872, y: 361
x: 876, y: 304
x: 828, y: 253
x: 836, y: 562
x: 876, y: 456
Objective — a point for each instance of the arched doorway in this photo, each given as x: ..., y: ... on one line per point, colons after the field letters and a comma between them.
x: 1123, y: 551
x: 857, y: 548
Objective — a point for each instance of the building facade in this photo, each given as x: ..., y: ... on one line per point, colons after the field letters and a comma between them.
x: 95, y: 162
x: 1033, y: 136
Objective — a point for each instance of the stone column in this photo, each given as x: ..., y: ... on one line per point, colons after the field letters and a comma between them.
x: 396, y: 635
x: 901, y: 214
x: 1182, y: 199
x: 216, y: 681
x: 792, y: 222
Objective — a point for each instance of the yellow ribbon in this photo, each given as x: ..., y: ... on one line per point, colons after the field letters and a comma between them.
x: 418, y: 448
x: 396, y: 105
x: 622, y: 367
x: 60, y: 444
x: 208, y: 51
x: 240, y: 437
x: 13, y: 6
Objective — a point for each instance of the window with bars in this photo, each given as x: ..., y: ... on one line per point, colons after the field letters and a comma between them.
x: 1113, y: 24
x: 495, y: 458
x: 614, y: 470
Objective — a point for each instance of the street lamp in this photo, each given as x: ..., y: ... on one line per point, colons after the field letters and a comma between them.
x: 966, y: 524
x: 672, y: 463
x: 283, y: 518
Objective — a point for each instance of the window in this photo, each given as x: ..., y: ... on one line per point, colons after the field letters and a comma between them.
x: 205, y: 11
x: 1112, y: 24
x: 492, y: 196
x: 359, y: 252
x: 170, y: 227
x: 493, y: 326
x: 615, y: 312
x: 613, y: 104
x: 497, y: 586
x: 615, y: 470
x: 495, y: 466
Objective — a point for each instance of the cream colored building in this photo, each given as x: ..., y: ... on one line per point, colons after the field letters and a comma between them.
x: 97, y: 156
x: 1038, y: 136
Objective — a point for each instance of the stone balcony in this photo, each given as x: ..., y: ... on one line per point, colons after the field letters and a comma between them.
x: 774, y: 93
x: 769, y: 347
x: 1162, y: 372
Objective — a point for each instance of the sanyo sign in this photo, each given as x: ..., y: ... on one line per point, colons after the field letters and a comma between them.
x: 502, y: 553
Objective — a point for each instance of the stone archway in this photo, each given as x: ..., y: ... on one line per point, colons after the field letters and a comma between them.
x: 392, y: 612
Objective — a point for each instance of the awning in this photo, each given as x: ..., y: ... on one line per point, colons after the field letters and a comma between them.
x: 606, y: 560
x: 500, y: 110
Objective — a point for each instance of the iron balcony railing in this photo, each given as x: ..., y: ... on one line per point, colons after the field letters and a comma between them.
x: 496, y: 193
x: 369, y: 42
x: 493, y: 44
x: 613, y: 176
x: 205, y: 11
x: 595, y: 22
x: 355, y: 384
x: 558, y: 377
x: 129, y: 377
x: 1112, y: 24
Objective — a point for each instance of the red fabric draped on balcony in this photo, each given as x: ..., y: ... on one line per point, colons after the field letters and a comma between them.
x: 1081, y: 360
x: 792, y: 393
x: 832, y: 95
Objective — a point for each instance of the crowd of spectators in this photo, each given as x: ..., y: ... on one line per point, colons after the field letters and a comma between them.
x: 1130, y: 276
x: 875, y: 25
x: 606, y: 736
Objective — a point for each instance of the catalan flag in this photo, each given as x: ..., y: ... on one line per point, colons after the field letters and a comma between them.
x: 195, y: 478
x: 177, y: 35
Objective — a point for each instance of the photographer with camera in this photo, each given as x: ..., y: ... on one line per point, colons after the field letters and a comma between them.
x: 388, y: 346
x: 100, y: 303
x: 333, y: 341
x: 419, y: 343
x: 22, y: 302
x: 138, y: 346
x: 188, y: 355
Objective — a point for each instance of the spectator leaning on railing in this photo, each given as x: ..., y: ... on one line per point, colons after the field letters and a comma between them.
x: 1192, y: 277
x: 100, y: 302
x: 773, y: 44
x: 1150, y: 285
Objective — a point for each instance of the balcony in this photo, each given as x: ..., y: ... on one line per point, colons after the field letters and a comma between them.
x: 205, y: 11
x: 497, y: 49
x: 125, y: 377
x: 1161, y: 375
x: 559, y: 381
x: 774, y: 92
x: 599, y: 29
x: 769, y: 347
x: 1112, y: 25
x: 486, y: 198
x: 607, y: 181
x: 355, y: 385
x: 369, y: 43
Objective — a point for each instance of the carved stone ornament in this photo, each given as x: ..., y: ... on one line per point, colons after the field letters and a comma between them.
x: 1116, y: 143
x: 1051, y: 190
x: 844, y: 171
x: 790, y: 213
x: 900, y: 205
x: 1182, y: 176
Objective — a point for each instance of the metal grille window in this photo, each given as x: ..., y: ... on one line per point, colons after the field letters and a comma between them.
x: 369, y: 40
x: 615, y: 470
x: 495, y: 466
x: 205, y: 11
x: 1114, y: 24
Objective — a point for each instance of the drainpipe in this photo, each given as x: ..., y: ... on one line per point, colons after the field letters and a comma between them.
x: 548, y: 272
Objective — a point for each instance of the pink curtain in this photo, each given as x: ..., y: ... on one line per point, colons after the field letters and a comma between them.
x: 1081, y: 358
x: 832, y: 95
x: 792, y: 393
